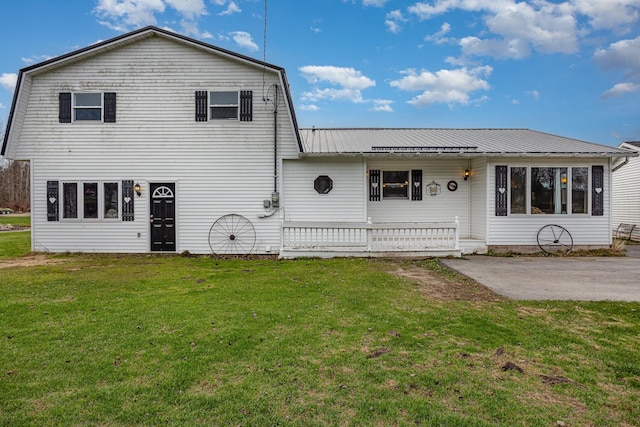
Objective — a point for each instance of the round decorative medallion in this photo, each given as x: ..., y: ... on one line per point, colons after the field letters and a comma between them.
x: 452, y: 186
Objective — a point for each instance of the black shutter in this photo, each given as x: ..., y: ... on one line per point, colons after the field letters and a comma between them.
x: 202, y: 105
x: 374, y: 185
x: 501, y: 191
x: 597, y: 190
x: 416, y: 184
x: 127, y: 200
x: 109, y: 107
x: 52, y: 201
x: 246, y: 105
x: 64, y: 107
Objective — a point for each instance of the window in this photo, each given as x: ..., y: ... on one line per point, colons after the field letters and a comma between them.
x: 395, y: 184
x: 519, y: 190
x: 87, y: 106
x: 110, y: 200
x: 548, y: 190
x: 323, y: 184
x: 579, y: 190
x: 223, y: 105
x: 95, y: 200
x: 70, y: 200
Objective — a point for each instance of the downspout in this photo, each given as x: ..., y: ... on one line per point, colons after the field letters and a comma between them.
x: 275, y: 142
x: 615, y: 168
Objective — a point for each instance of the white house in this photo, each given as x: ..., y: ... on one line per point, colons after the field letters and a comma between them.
x: 155, y: 142
x: 626, y: 195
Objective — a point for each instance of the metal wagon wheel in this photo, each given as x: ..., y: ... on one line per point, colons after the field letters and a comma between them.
x: 554, y: 239
x: 232, y: 235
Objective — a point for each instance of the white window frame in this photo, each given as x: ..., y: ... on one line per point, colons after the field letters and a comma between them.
x: 80, y: 201
x: 75, y: 107
x: 212, y: 106
x: 406, y: 185
x: 569, y: 202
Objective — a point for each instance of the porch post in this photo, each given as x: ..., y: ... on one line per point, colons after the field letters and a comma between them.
x: 457, y: 221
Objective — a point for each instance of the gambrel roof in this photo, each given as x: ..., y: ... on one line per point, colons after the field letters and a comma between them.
x: 449, y: 142
x: 123, y: 40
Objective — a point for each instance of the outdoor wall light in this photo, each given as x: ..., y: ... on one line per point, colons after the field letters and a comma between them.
x: 137, y: 189
x: 466, y: 174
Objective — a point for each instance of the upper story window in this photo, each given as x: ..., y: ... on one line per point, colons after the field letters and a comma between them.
x: 224, y: 105
x: 87, y: 106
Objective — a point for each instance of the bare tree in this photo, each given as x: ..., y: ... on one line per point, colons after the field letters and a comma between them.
x: 14, y: 182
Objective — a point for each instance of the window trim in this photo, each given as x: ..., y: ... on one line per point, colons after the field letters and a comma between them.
x: 80, y: 199
x: 212, y: 106
x: 75, y: 107
x: 569, y: 194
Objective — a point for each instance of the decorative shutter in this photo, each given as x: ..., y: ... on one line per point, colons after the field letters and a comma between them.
x: 127, y: 200
x: 109, y: 107
x: 202, y: 105
x: 374, y: 185
x: 597, y: 190
x: 52, y: 200
x: 501, y: 191
x: 416, y: 184
x: 246, y: 106
x: 64, y: 107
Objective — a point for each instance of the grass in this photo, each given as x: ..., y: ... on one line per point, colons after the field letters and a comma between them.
x: 14, y: 244
x: 24, y: 220
x: 121, y: 340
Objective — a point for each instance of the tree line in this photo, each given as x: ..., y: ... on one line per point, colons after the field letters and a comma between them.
x: 14, y: 183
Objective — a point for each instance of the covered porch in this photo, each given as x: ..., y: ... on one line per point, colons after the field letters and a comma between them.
x: 334, y: 239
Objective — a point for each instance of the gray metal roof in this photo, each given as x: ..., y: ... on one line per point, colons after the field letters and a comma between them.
x: 453, y: 142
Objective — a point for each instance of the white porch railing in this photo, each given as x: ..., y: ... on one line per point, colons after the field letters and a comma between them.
x: 324, y: 238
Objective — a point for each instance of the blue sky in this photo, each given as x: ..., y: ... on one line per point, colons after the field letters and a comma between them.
x: 568, y: 67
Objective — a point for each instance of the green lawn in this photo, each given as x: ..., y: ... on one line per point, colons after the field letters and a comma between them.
x: 14, y: 244
x: 150, y: 340
x: 24, y: 220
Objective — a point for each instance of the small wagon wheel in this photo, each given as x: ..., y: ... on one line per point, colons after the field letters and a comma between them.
x: 232, y: 235
x: 554, y: 239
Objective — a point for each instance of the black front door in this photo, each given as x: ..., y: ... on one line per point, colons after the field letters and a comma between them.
x: 163, y: 218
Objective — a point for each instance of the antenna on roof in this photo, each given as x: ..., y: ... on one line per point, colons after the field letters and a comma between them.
x: 264, y: 52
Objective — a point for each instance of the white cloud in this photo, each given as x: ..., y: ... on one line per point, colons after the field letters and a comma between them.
x: 383, y: 105
x: 439, y: 37
x: 309, y: 107
x: 124, y: 15
x: 376, y: 3
x: 616, y: 15
x: 497, y: 48
x: 621, y: 89
x: 36, y: 58
x: 515, y: 27
x: 9, y: 81
x: 534, y: 94
x: 623, y: 55
x: 244, y: 40
x: 444, y: 86
x: 393, y: 21
x: 349, y: 82
x: 232, y: 8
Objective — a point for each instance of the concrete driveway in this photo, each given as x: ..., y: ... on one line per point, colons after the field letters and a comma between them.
x: 534, y: 278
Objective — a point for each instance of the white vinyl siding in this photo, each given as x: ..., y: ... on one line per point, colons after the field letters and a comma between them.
x: 443, y: 207
x: 519, y: 229
x: 219, y: 167
x: 344, y: 203
x: 626, y: 192
x: 479, y: 200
